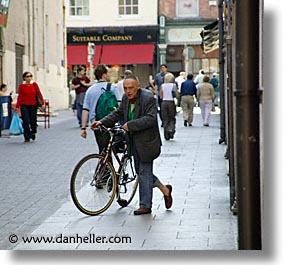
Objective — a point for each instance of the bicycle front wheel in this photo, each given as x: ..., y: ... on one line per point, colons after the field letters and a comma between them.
x: 93, y: 184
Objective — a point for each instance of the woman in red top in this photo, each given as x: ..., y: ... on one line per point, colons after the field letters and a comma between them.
x: 27, y: 102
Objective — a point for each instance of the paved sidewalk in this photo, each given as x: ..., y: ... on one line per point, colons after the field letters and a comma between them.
x: 200, y: 218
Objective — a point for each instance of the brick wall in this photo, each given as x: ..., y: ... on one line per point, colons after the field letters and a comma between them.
x: 207, y: 11
x: 167, y: 8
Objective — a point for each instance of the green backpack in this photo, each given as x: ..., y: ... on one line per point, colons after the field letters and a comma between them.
x: 106, y: 103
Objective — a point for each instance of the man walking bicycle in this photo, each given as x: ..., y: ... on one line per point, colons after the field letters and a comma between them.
x: 138, y: 110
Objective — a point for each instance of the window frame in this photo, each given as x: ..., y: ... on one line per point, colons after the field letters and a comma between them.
x: 79, y: 17
x: 131, y: 6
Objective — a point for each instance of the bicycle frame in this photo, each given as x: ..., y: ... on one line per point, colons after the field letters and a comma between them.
x: 107, y: 153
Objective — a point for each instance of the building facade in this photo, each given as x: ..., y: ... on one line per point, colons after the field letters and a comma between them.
x: 33, y: 39
x: 181, y: 22
x: 124, y: 34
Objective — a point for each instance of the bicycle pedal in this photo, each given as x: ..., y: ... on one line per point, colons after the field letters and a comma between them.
x: 99, y: 185
x: 122, y: 202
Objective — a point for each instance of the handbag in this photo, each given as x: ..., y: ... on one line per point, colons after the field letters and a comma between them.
x: 213, y: 107
x: 38, y: 101
x: 16, y: 125
x: 173, y: 91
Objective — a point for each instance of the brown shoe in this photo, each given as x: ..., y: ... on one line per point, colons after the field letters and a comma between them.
x: 168, y: 199
x: 142, y: 210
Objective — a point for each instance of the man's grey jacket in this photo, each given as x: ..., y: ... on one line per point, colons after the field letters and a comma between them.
x: 144, y: 127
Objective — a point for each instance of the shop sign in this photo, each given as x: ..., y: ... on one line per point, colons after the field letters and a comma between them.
x: 184, y: 36
x: 112, y: 37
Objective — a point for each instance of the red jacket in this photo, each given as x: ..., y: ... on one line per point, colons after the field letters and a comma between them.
x: 27, y: 95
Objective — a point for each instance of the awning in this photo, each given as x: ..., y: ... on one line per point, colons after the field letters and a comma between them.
x: 78, y: 54
x: 127, y: 54
x: 210, y: 37
x: 112, y: 54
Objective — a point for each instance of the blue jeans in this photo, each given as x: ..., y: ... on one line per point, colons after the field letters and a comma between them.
x: 216, y: 98
x: 147, y: 180
x: 79, y: 108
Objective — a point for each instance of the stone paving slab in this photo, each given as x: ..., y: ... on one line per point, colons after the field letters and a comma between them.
x: 200, y: 218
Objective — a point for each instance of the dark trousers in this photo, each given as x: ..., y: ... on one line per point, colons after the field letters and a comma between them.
x: 168, y: 115
x: 28, y: 114
x: 160, y: 106
x: 79, y: 108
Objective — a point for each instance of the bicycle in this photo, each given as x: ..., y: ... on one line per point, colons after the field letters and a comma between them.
x: 95, y: 182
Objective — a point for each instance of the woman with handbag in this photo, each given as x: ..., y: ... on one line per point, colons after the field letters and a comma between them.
x: 29, y: 99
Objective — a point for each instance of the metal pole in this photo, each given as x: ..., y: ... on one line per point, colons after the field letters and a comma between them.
x: 221, y: 73
x: 247, y: 124
x: 230, y: 105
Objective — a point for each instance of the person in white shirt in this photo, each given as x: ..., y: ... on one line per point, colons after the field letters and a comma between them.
x: 179, y: 80
x: 168, y: 91
x: 199, y: 78
x: 120, y: 87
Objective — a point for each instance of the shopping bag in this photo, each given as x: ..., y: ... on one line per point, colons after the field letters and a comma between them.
x: 16, y: 125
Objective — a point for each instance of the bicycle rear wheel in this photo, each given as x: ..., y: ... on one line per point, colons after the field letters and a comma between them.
x: 93, y: 184
x: 127, y: 183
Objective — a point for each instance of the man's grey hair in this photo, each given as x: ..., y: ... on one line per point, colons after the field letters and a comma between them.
x: 128, y: 72
x: 132, y: 76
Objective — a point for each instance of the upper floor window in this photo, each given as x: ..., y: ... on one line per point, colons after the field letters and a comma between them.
x: 187, y: 8
x: 79, y: 7
x: 128, y: 7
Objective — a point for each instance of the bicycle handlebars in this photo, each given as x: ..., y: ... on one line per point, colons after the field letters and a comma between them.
x: 113, y: 129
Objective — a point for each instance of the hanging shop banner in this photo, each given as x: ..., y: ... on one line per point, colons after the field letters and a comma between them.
x: 4, y: 8
x: 210, y: 37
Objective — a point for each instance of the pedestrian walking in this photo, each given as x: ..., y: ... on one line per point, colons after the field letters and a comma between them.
x: 138, y: 109
x: 3, y: 90
x: 80, y: 84
x: 199, y: 78
x: 168, y: 91
x: 26, y: 101
x: 215, y: 82
x: 179, y: 80
x: 159, y: 80
x: 205, y: 96
x: 188, y: 91
x: 120, y: 88
x: 91, y: 99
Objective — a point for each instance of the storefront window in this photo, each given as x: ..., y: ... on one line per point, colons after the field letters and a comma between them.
x: 79, y: 7
x: 209, y: 65
x: 128, y: 7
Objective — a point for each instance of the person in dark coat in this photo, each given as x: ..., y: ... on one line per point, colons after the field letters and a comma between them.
x: 139, y: 112
x: 188, y: 91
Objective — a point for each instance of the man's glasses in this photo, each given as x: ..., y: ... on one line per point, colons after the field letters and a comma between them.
x: 28, y: 76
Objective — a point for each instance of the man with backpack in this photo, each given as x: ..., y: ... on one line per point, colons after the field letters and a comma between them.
x: 100, y: 100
